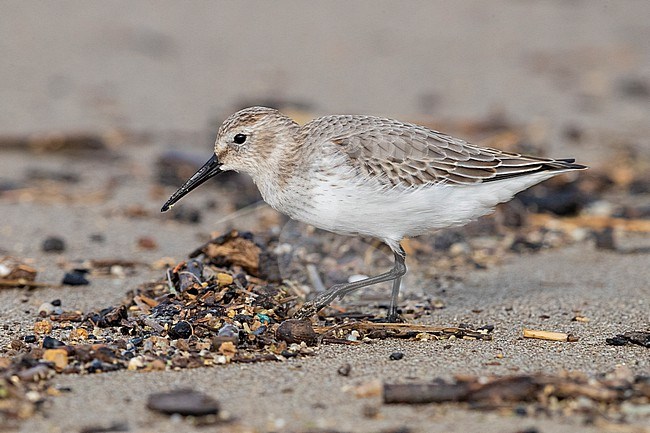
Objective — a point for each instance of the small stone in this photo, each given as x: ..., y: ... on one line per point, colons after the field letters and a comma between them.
x: 157, y: 365
x: 297, y: 331
x: 228, y: 330
x: 180, y: 330
x: 52, y: 343
x: 75, y: 278
x: 135, y: 363
x: 53, y: 244
x: 43, y: 327
x: 59, y: 357
x: 185, y: 402
x: 344, y: 370
x: 224, y: 279
x: 147, y: 243
x: 79, y: 334
x: 47, y: 309
x: 29, y: 338
x: 56, y: 302
x: 227, y: 349
x: 396, y: 356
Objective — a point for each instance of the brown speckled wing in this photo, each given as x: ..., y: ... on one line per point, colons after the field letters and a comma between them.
x: 397, y: 153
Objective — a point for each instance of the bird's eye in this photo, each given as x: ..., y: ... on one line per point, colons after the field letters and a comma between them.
x: 239, y: 138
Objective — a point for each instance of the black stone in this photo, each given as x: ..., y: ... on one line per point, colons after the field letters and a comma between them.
x: 51, y: 343
x: 396, y: 356
x: 75, y: 279
x: 29, y: 338
x: 53, y: 244
x: 184, y: 402
x: 180, y: 330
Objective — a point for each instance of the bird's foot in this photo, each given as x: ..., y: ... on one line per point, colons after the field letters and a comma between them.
x: 394, y: 318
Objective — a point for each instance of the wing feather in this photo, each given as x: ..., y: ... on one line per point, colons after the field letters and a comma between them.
x: 408, y: 155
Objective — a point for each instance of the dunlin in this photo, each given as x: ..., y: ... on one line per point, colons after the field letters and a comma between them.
x: 364, y: 175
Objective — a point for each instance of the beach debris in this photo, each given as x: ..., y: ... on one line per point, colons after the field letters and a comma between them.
x: 12, y: 269
x: 549, y: 335
x: 378, y: 330
x: 114, y: 427
x: 185, y: 402
x: 563, y: 393
x: 640, y: 338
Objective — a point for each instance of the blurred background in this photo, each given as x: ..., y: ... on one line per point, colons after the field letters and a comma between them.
x: 169, y: 66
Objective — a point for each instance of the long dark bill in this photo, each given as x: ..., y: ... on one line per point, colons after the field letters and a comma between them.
x: 209, y: 169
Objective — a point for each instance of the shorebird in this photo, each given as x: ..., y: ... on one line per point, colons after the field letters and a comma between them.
x: 372, y: 176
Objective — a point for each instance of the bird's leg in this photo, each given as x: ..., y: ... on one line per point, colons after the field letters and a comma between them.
x: 392, y: 316
x: 340, y: 290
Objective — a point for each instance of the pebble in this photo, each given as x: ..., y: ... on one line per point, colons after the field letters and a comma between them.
x: 344, y: 370
x: 53, y: 244
x: 47, y: 309
x: 224, y: 279
x: 75, y: 278
x: 297, y: 331
x: 52, y: 343
x: 29, y: 338
x: 43, y: 327
x: 180, y: 330
x: 396, y: 356
x: 185, y: 402
x: 59, y: 357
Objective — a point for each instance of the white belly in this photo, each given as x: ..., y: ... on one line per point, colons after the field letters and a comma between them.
x: 391, y: 214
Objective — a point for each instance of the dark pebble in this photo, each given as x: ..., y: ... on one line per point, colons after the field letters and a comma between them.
x: 29, y: 338
x: 75, y: 279
x: 184, y: 402
x: 51, y: 343
x: 287, y: 354
x: 396, y: 356
x: 180, y: 330
x: 56, y: 302
x: 344, y: 370
x: 521, y: 411
x: 618, y: 340
x: 53, y: 244
x: 296, y: 331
